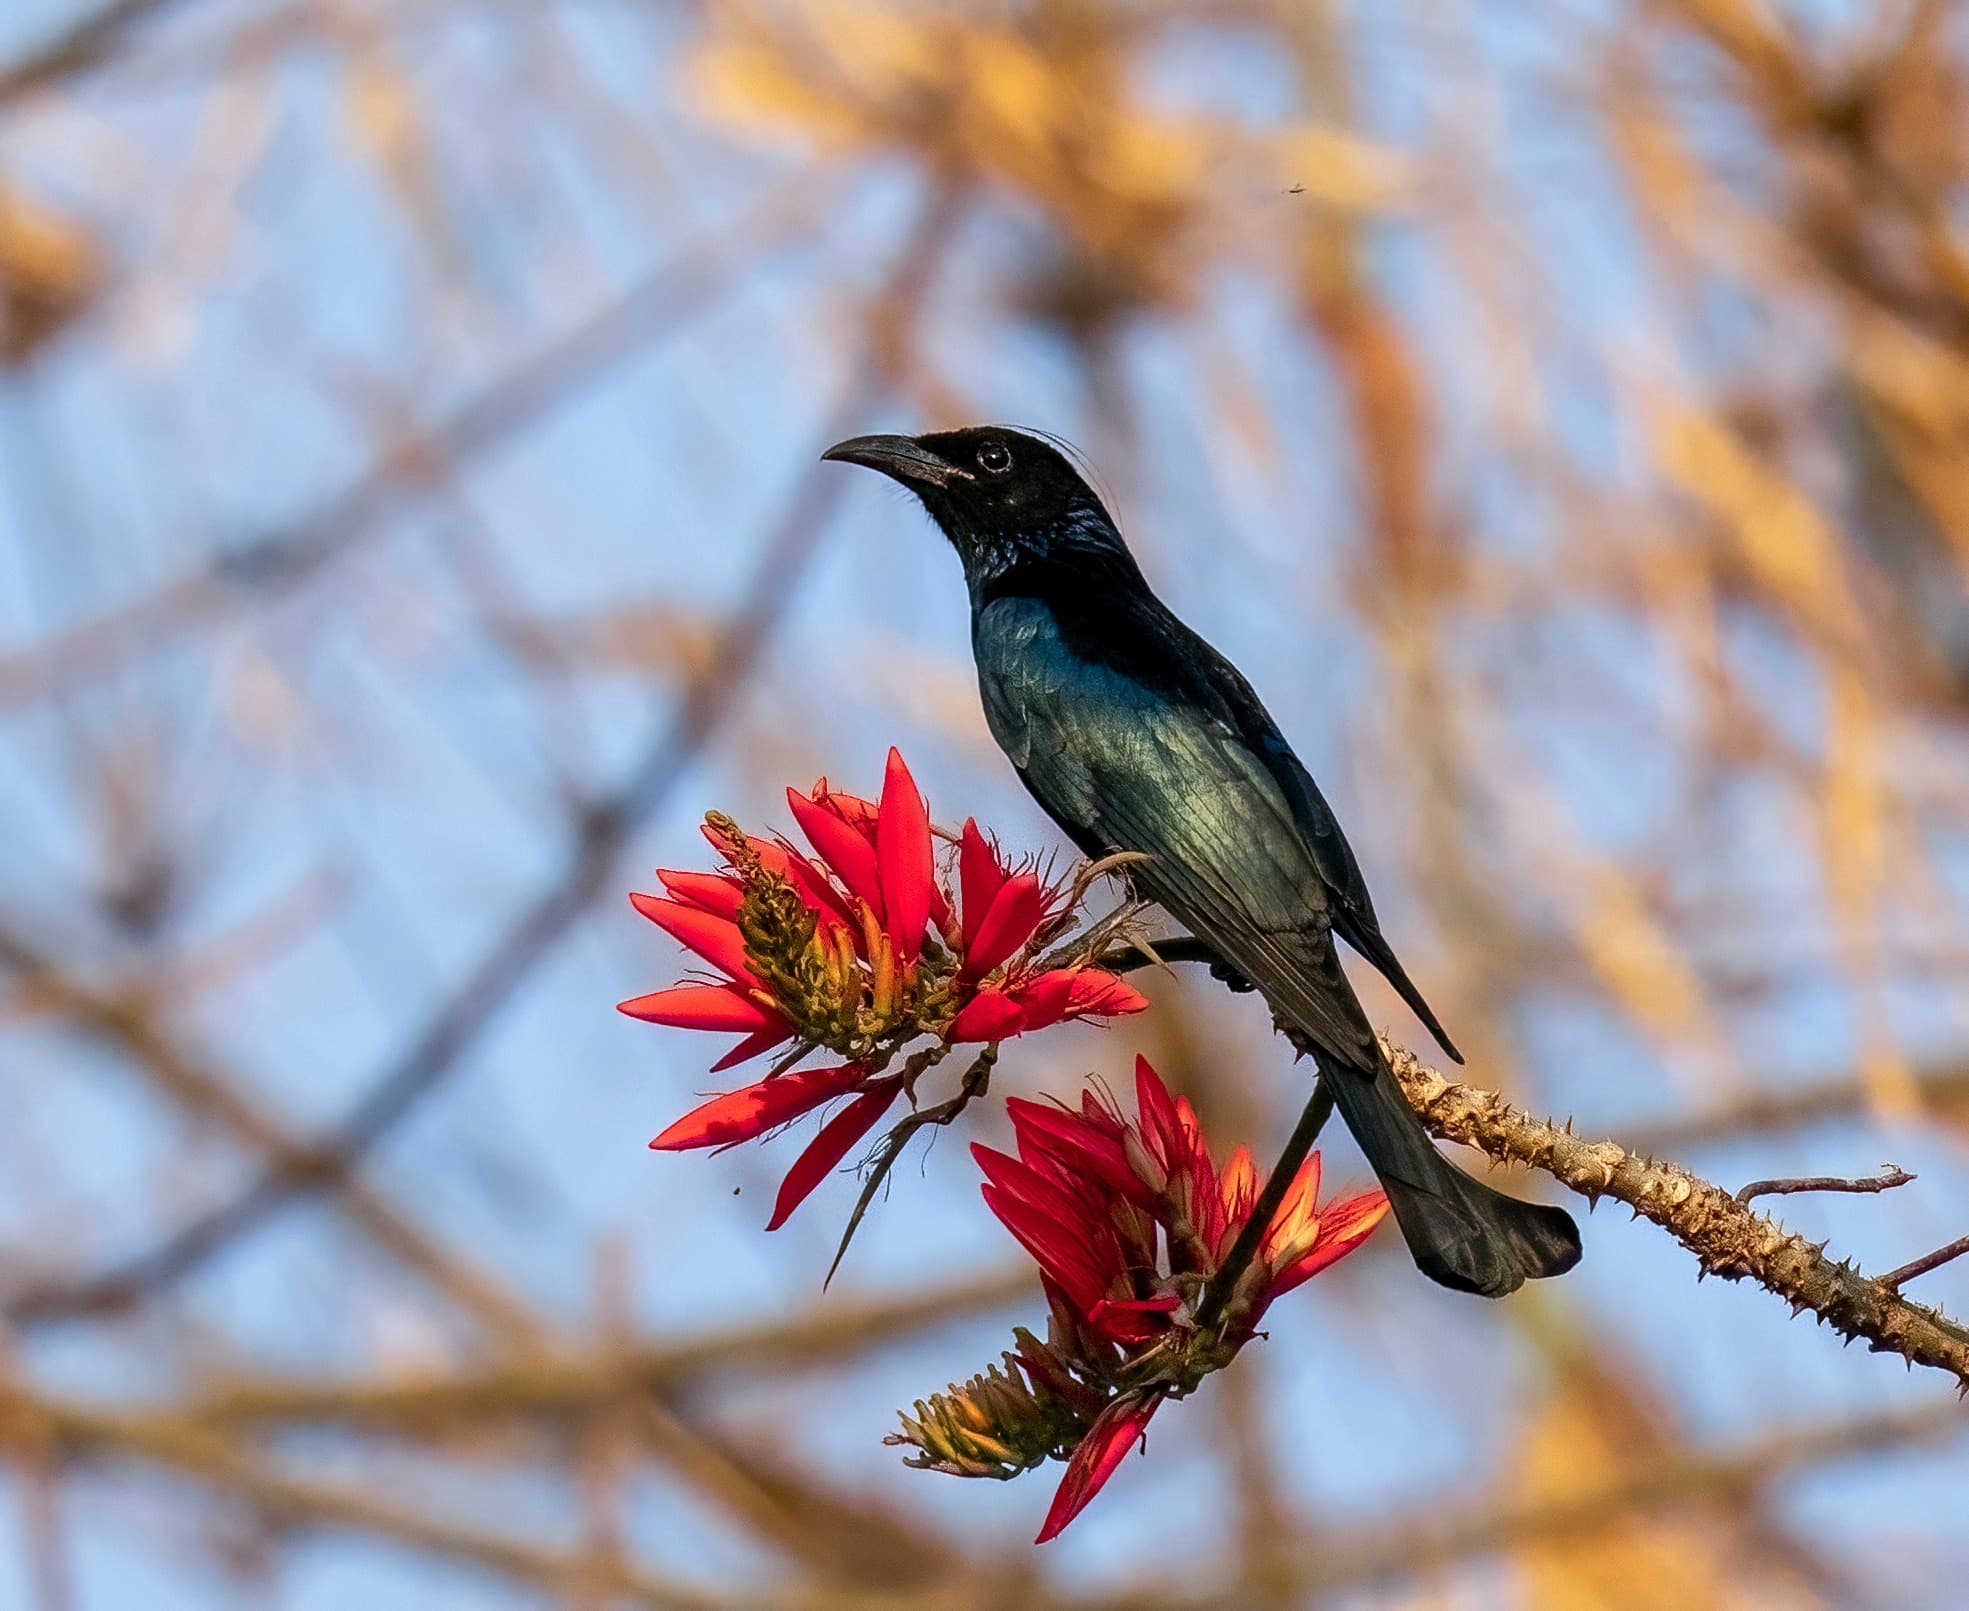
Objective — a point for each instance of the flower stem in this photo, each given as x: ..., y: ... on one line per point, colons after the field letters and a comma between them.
x: 976, y: 1078
x: 1319, y: 1108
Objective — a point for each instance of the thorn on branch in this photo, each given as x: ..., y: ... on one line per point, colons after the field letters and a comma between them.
x: 1890, y: 1176
x: 1180, y: 948
x: 1155, y: 953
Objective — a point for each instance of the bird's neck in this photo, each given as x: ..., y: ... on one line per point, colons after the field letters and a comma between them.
x: 1079, y: 550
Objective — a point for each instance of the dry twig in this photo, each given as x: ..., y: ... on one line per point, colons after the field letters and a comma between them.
x: 1890, y: 1176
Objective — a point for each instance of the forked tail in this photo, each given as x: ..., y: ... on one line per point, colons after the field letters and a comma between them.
x: 1461, y: 1232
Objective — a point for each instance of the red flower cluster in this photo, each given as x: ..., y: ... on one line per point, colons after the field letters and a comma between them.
x: 1131, y: 1223
x: 859, y: 948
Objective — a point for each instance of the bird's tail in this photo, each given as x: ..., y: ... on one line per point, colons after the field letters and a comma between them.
x: 1461, y: 1233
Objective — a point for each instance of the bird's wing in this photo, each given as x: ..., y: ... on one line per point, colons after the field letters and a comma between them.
x: 1353, y: 911
x: 1137, y: 771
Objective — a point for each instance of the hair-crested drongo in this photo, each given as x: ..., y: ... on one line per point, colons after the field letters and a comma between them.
x: 1135, y: 735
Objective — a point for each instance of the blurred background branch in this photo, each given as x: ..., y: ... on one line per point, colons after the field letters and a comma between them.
x: 77, y: 45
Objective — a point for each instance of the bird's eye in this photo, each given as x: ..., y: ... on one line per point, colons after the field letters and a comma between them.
x: 994, y: 458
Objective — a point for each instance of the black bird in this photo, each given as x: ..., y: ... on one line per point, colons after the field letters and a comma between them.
x: 1136, y: 735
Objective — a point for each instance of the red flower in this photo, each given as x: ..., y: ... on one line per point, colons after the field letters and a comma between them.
x: 874, y: 947
x: 1130, y: 1223
x: 859, y: 948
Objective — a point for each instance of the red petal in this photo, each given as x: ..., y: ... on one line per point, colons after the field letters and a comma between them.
x: 704, y: 1007
x: 852, y: 809
x: 989, y: 1015
x: 1044, y: 998
x: 1075, y: 1212
x: 980, y: 876
x: 752, y: 1046
x: 1055, y: 1250
x: 843, y: 848
x: 1194, y: 1157
x: 865, y: 818
x: 821, y: 896
x: 1343, y: 1227
x: 1132, y: 1320
x: 716, y: 939
x: 829, y: 1147
x: 1168, y: 1303
x: 1064, y: 993
x: 1297, y: 1204
x: 1153, y: 1101
x: 741, y: 1115
x: 1237, y: 1187
x: 1354, y: 1217
x: 908, y: 861
x: 1059, y: 1132
x: 1107, y: 1441
x: 1071, y: 1144
x: 1101, y: 995
x: 1065, y: 1235
x: 1005, y: 925
x: 710, y: 892
x: 1169, y: 1137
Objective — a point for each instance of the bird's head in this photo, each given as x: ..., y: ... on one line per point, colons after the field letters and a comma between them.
x: 1005, y: 499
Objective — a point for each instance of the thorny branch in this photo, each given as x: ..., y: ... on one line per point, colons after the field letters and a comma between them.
x: 1727, y: 1237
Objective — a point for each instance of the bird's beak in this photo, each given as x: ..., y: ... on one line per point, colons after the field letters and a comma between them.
x: 899, y: 457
